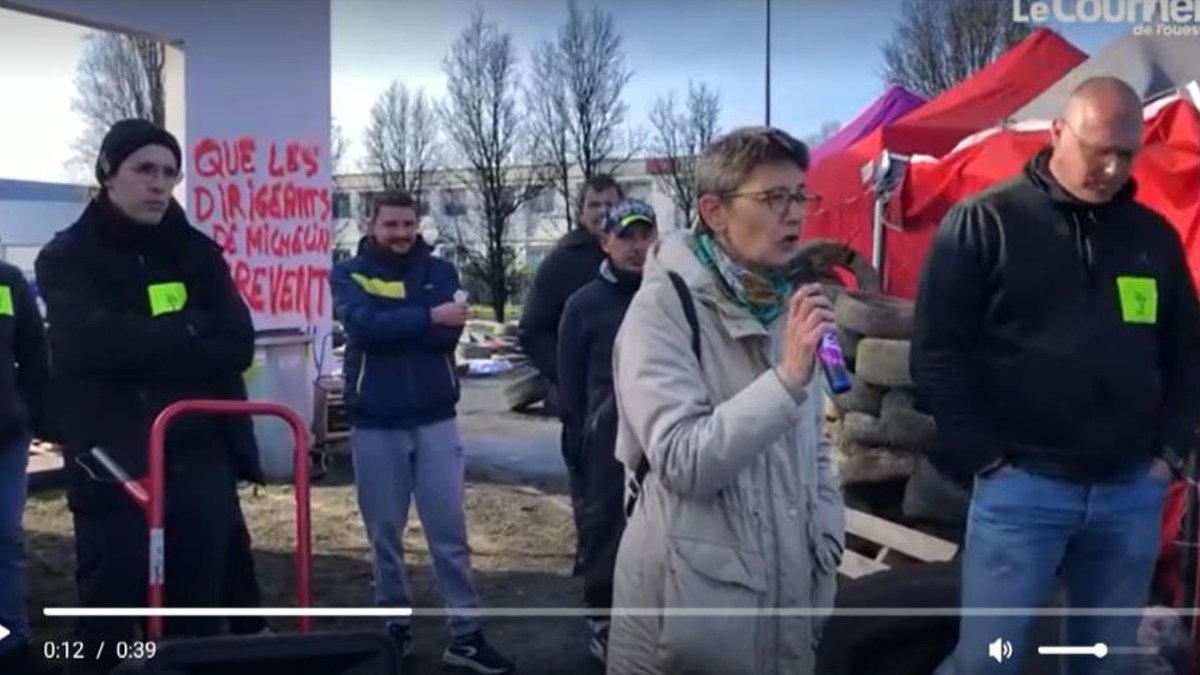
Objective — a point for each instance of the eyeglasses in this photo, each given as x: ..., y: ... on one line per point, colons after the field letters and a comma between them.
x: 149, y: 171
x: 780, y: 200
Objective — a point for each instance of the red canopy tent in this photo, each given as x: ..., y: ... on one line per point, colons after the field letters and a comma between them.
x: 848, y: 200
x: 1167, y: 172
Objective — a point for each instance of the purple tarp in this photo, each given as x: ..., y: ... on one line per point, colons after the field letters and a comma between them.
x: 892, y: 105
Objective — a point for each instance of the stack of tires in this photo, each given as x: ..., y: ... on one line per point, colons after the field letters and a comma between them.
x: 879, y: 436
x: 878, y: 430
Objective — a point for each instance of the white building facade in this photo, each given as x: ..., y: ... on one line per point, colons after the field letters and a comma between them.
x: 31, y: 213
x: 452, y: 212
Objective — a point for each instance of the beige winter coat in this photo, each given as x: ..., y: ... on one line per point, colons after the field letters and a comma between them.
x: 740, y: 512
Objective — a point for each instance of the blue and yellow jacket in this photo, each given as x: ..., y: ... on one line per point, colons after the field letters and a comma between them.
x: 399, y: 366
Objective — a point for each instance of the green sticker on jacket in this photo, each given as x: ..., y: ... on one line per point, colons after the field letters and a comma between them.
x: 1139, y: 299
x: 6, y: 301
x: 167, y: 297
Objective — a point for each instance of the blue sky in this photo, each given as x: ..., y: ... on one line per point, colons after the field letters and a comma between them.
x: 825, y: 53
x: 825, y: 60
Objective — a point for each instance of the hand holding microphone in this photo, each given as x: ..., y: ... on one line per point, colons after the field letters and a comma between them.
x: 811, y: 334
x: 810, y: 318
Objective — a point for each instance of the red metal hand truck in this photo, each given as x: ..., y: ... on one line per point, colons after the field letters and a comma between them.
x: 150, y: 494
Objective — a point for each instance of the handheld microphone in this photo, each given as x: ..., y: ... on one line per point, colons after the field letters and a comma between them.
x: 829, y: 352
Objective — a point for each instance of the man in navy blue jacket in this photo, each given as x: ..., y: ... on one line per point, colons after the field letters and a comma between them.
x: 402, y: 322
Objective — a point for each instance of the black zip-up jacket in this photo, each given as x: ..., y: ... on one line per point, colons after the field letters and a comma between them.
x: 1056, y: 334
x: 121, y: 351
x: 571, y: 265
x: 587, y: 332
x: 24, y: 369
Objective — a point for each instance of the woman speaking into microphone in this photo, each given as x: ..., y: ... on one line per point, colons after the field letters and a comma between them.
x: 734, y: 512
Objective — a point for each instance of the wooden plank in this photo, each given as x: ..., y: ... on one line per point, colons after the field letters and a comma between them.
x: 907, y: 541
x: 855, y: 565
x: 44, y: 462
x: 45, y: 470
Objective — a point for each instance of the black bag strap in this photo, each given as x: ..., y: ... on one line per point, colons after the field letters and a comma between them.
x: 689, y: 312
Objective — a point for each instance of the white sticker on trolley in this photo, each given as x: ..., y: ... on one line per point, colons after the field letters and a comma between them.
x: 157, y: 573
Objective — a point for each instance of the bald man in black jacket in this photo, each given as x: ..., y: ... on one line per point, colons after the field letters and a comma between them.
x: 1057, y: 343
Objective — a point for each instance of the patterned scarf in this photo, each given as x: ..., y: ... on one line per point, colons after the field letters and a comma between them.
x: 765, y: 297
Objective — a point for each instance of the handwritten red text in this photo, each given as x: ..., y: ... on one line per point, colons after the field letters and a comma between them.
x: 258, y: 202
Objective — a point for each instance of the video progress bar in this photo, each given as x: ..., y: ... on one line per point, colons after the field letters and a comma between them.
x: 549, y: 612
x: 116, y: 612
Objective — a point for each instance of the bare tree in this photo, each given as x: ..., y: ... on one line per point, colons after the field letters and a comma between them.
x: 486, y: 130
x: 401, y: 139
x: 550, y: 127
x: 680, y: 136
x: 939, y: 43
x: 338, y: 146
x: 574, y: 99
x: 119, y: 76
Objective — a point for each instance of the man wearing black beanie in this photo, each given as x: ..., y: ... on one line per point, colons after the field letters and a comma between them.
x: 143, y: 313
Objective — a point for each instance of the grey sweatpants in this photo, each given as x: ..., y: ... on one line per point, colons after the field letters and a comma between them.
x: 391, y: 467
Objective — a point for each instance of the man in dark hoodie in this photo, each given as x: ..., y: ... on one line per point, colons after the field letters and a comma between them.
x: 143, y: 313
x: 586, y: 335
x: 24, y: 375
x: 403, y: 316
x: 571, y: 264
x: 1057, y: 346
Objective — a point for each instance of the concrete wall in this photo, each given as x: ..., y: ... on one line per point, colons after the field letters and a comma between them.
x: 248, y: 95
x: 255, y: 70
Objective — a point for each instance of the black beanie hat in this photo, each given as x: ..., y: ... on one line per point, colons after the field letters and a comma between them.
x: 127, y: 137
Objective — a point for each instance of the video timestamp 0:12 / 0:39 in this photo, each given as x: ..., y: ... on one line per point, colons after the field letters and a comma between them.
x: 74, y: 650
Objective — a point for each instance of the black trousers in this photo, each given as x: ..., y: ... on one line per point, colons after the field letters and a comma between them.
x: 241, y: 579
x: 569, y: 440
x: 601, y: 524
x: 112, y: 554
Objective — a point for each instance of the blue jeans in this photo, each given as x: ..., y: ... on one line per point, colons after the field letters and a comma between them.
x: 14, y: 461
x: 390, y: 469
x: 1026, y: 532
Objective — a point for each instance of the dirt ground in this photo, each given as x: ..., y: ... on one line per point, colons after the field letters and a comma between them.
x: 521, y: 541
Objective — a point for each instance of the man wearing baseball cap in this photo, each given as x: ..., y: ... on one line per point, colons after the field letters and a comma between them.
x: 142, y: 313
x: 587, y: 332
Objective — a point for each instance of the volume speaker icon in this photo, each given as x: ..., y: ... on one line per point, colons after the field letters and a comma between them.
x: 1001, y: 650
